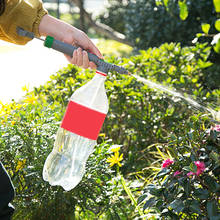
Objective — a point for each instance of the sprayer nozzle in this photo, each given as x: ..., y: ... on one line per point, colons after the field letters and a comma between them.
x: 24, y: 33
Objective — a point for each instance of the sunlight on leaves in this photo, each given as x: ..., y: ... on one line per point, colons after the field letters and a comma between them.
x: 183, y: 10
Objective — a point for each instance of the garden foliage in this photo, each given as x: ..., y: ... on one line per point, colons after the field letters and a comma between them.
x: 135, y: 109
x: 188, y: 186
x: 149, y: 23
x: 26, y: 138
x: 139, y: 118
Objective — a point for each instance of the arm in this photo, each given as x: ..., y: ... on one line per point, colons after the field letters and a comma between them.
x: 31, y: 16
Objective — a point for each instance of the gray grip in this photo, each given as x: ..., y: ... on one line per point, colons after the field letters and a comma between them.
x: 63, y: 47
x: 68, y: 49
x: 101, y: 64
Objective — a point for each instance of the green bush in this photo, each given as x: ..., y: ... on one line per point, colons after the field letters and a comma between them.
x: 114, y: 15
x: 138, y: 115
x: 188, y: 186
x: 139, y: 118
x: 149, y: 23
x: 26, y: 138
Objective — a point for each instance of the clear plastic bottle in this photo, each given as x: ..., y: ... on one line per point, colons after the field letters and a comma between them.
x: 76, y: 138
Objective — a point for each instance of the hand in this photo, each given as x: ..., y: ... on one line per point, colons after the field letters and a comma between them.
x: 71, y: 35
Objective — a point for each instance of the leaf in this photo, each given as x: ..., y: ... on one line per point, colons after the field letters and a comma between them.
x: 187, y: 187
x: 217, y: 5
x: 149, y: 203
x: 203, y: 64
x: 205, y: 28
x: 161, y: 154
x: 141, y: 198
x: 187, y: 168
x: 211, y: 208
x: 217, y: 25
x: 211, y: 183
x: 199, y: 35
x: 163, y: 172
x: 158, y: 2
x: 194, y: 206
x: 153, y: 190
x: 215, y: 39
x: 183, y: 10
x: 193, y: 167
x: 177, y: 205
x: 201, y: 193
x: 217, y: 47
x: 166, y: 2
x: 214, y: 156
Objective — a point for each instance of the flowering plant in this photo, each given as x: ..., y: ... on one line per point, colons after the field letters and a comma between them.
x: 188, y: 185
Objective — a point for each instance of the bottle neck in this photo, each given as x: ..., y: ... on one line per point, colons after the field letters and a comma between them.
x: 101, y: 73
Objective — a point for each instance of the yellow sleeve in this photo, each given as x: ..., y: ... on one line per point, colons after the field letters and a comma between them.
x: 26, y: 14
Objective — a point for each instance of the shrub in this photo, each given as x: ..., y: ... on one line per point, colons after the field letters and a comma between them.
x: 114, y: 15
x: 188, y: 187
x: 26, y: 138
x: 138, y: 115
x: 149, y: 23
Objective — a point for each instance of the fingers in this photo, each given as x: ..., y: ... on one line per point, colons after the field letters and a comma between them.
x: 93, y: 49
x: 85, y: 60
x: 80, y: 58
x: 83, y: 41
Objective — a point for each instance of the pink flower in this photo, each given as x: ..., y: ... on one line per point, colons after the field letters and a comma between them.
x: 200, y: 167
x: 216, y: 128
x: 177, y: 173
x: 190, y: 174
x: 167, y: 163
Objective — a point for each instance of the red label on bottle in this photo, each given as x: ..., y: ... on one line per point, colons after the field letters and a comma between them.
x: 82, y: 120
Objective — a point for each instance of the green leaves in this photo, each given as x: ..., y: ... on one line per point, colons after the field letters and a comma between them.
x: 217, y: 5
x: 205, y: 28
x: 163, y: 173
x: 195, y: 207
x: 177, y: 205
x: 166, y: 2
x: 201, y: 193
x: 217, y: 25
x: 183, y: 195
x: 183, y: 10
x: 154, y: 190
x: 141, y: 198
x: 191, y: 168
x: 212, y: 210
x: 212, y: 183
x: 144, y: 21
x: 216, y: 43
x: 138, y: 117
x: 149, y: 203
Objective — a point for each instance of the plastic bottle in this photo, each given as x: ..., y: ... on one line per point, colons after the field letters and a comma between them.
x: 76, y: 138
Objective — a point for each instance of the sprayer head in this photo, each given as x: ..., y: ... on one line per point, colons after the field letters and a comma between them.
x: 68, y: 49
x: 106, y: 67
